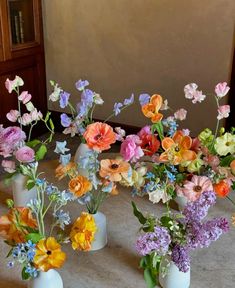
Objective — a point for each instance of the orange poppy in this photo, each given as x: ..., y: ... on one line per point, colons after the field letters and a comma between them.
x: 114, y: 169
x: 13, y: 224
x: 80, y: 185
x: 48, y: 254
x: 99, y: 136
x: 151, y: 110
x: 61, y: 171
x: 177, y: 149
x: 222, y: 189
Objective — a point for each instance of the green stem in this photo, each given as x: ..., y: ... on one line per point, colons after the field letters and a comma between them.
x: 113, y: 114
x: 49, y: 205
x: 230, y: 200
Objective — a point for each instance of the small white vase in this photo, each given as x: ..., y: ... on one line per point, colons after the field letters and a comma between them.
x: 101, y: 234
x: 81, y: 152
x: 21, y: 195
x: 49, y: 279
x: 173, y: 278
x: 181, y: 201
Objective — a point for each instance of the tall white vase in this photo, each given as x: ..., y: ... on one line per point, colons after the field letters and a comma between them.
x: 181, y: 201
x: 174, y: 278
x: 101, y: 234
x: 49, y: 279
x: 81, y: 152
x: 21, y: 195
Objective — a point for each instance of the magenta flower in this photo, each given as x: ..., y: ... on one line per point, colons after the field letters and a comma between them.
x: 25, y: 97
x: 144, y: 131
x: 13, y: 115
x: 223, y: 112
x: 25, y: 154
x: 9, y: 166
x: 193, y: 189
x: 221, y: 89
x: 130, y: 148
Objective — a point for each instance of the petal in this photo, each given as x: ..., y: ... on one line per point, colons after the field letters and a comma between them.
x: 186, y: 142
x: 156, y: 118
x: 148, y: 110
x: 156, y: 100
x: 163, y: 157
x: 167, y: 143
x: 178, y: 136
x: 188, y: 155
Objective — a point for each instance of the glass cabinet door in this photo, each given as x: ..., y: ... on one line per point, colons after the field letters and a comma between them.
x: 21, y: 17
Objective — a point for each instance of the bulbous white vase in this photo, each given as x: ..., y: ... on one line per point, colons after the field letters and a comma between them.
x: 49, y: 279
x: 81, y: 152
x: 181, y: 201
x: 21, y: 195
x: 174, y: 278
x: 101, y: 234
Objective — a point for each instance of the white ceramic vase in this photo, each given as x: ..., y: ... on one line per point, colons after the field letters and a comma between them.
x: 101, y: 234
x: 181, y: 201
x: 49, y: 279
x: 81, y: 152
x: 174, y: 278
x: 21, y: 195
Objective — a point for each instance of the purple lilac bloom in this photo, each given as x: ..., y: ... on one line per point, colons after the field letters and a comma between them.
x: 81, y: 84
x: 157, y: 241
x: 65, y: 120
x: 129, y: 101
x: 87, y: 97
x: 64, y: 99
x: 180, y: 256
x: 116, y: 108
x: 144, y: 99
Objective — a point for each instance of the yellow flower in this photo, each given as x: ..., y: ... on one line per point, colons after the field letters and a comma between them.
x: 83, y: 232
x: 225, y: 144
x: 80, y: 185
x: 151, y: 110
x: 61, y: 171
x: 48, y: 254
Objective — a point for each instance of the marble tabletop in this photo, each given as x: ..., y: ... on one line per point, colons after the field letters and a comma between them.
x: 117, y: 264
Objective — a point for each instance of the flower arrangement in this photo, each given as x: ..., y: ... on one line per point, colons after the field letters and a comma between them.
x: 34, y: 245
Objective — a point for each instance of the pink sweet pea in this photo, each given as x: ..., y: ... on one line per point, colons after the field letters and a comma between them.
x: 36, y: 115
x: 13, y: 115
x: 9, y: 166
x: 221, y: 89
x: 130, y: 148
x: 25, y: 97
x: 12, y: 84
x: 198, y: 97
x: 25, y: 154
x: 223, y: 112
x: 26, y: 119
x: 180, y: 114
x: 189, y: 90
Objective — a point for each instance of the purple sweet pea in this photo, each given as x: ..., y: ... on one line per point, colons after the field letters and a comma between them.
x: 81, y: 109
x: 65, y: 120
x: 144, y: 99
x: 129, y: 101
x: 81, y: 84
x: 116, y: 108
x: 87, y: 97
x: 64, y: 99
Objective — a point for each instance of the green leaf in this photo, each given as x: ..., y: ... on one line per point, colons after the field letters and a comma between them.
x: 47, y: 116
x: 159, y: 128
x: 165, y: 221
x: 226, y: 161
x: 52, y: 82
x: 51, y: 124
x: 138, y: 214
x: 34, y: 237
x: 33, y: 143
x: 24, y: 274
x: 150, y: 280
x: 9, y: 253
x: 143, y: 263
x: 30, y: 184
x: 40, y: 154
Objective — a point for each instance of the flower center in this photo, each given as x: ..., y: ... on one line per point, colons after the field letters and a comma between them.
x: 114, y: 166
x: 197, y: 188
x: 97, y: 137
x: 177, y: 149
x: 48, y: 252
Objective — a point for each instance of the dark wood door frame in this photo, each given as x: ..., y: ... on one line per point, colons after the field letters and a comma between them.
x: 231, y: 100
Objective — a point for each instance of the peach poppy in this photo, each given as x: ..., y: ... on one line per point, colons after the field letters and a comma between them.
x: 177, y: 149
x: 48, y: 254
x: 114, y: 169
x: 62, y: 171
x: 13, y: 228
x: 99, y: 136
x: 151, y: 110
x: 232, y: 166
x: 80, y: 185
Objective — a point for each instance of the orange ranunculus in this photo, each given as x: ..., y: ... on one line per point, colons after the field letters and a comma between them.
x: 177, y: 149
x: 232, y: 166
x: 80, y: 185
x: 13, y: 228
x: 113, y: 169
x: 99, y: 136
x: 48, y: 254
x: 151, y: 110
x: 222, y: 188
x: 61, y: 171
x: 83, y: 232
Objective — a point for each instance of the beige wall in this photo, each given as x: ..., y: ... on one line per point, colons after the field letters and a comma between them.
x: 154, y: 46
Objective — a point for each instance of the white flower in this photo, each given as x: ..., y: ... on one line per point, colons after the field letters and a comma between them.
x: 189, y: 90
x: 55, y: 95
x: 180, y: 114
x: 164, y: 105
x: 98, y: 100
x: 158, y: 195
x: 223, y: 112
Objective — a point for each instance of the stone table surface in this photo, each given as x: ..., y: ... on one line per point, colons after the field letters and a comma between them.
x: 117, y: 264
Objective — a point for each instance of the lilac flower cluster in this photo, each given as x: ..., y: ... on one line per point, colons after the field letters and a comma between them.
x: 157, y: 241
x: 180, y: 256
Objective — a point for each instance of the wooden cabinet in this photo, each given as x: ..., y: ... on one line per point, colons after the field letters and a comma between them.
x: 21, y: 52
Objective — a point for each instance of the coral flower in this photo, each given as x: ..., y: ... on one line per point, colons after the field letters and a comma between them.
x: 48, y: 254
x: 232, y: 166
x: 151, y: 110
x: 99, y: 136
x: 83, y: 232
x: 13, y: 228
x: 193, y: 189
x: 61, y: 171
x: 114, y: 169
x: 150, y: 144
x: 80, y: 185
x: 177, y: 149
x: 222, y: 188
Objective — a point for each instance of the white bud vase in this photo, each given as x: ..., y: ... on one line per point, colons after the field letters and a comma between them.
x: 101, y: 234
x: 49, y: 279
x: 173, y: 278
x: 21, y: 195
x: 181, y: 201
x: 81, y: 152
